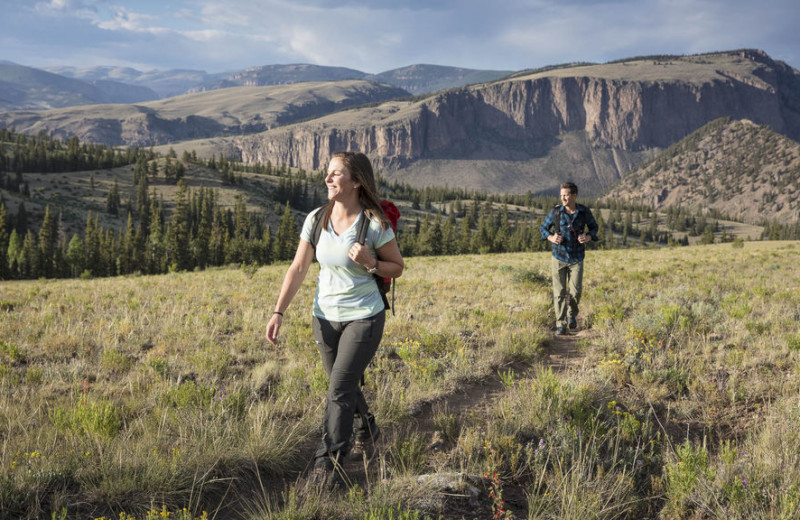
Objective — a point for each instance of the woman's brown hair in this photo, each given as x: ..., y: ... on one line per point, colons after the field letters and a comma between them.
x: 360, y: 169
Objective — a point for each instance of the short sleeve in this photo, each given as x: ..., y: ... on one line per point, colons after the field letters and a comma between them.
x: 379, y: 236
x: 308, y: 226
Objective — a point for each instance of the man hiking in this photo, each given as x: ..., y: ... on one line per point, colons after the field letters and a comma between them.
x: 566, y: 227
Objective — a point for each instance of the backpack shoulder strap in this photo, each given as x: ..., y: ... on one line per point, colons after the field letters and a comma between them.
x: 363, y: 227
x: 317, y: 229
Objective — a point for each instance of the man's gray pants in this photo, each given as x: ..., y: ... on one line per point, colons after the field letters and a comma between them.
x: 567, y: 289
x: 346, y: 349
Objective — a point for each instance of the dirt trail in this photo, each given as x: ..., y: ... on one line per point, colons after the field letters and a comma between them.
x: 562, y: 354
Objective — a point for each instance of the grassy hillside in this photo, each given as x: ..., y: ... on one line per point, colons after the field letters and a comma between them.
x: 691, y: 69
x: 231, y: 111
x: 679, y: 399
x: 736, y: 167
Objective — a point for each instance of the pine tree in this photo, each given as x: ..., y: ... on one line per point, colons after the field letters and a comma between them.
x: 266, y: 246
x: 154, y: 253
x: 127, y: 261
x: 202, y: 238
x: 143, y: 202
x: 76, y: 255
x: 21, y: 223
x: 422, y: 243
x: 450, y: 235
x: 93, y: 245
x: 169, y: 173
x: 29, y: 257
x: 113, y: 200
x: 465, y: 244
x: 13, y: 254
x: 237, y: 251
x: 218, y: 241
x: 177, y: 236
x: 48, y: 235
x: 503, y: 234
x: 484, y: 238
x: 286, y: 237
x: 436, y: 236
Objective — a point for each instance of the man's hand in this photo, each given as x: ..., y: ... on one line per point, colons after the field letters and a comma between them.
x: 584, y: 238
x: 555, y: 238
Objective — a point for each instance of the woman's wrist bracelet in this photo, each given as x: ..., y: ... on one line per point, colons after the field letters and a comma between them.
x: 278, y: 313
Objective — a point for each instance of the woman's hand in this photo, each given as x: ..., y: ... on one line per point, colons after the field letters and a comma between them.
x: 273, y: 327
x: 360, y: 254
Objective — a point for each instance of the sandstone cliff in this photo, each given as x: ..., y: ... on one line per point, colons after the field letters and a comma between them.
x: 624, y: 111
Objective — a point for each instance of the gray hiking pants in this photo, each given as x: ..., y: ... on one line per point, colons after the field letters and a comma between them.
x: 346, y: 349
x: 567, y: 281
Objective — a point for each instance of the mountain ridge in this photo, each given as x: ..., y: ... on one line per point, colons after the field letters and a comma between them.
x: 521, y: 122
x: 215, y: 113
x: 591, y: 123
x: 416, y: 79
x: 31, y: 88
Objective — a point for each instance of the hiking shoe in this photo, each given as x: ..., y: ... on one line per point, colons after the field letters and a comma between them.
x: 561, y: 331
x: 326, y: 474
x: 573, y: 323
x: 321, y: 473
x: 365, y: 447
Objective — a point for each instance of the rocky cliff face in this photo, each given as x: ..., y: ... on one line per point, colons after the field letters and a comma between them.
x: 522, y: 120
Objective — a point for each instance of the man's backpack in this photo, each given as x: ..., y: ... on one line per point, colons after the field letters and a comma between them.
x: 393, y: 215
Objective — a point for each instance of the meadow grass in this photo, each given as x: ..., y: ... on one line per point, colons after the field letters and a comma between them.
x: 149, y: 394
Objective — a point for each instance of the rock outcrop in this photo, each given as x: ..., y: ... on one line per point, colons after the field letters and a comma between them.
x: 630, y: 108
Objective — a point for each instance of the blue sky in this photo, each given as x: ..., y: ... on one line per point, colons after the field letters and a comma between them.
x: 378, y: 35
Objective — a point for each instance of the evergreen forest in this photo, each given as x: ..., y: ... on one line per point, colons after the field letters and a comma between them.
x: 140, y: 232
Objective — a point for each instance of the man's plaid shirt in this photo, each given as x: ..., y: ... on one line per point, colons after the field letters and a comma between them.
x: 569, y: 227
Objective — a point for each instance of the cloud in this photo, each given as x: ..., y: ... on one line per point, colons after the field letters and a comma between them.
x: 126, y: 20
x: 77, y: 8
x: 377, y: 35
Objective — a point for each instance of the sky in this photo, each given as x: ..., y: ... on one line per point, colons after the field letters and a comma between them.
x: 378, y: 35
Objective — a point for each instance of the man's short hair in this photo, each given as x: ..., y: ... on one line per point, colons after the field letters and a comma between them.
x: 571, y: 186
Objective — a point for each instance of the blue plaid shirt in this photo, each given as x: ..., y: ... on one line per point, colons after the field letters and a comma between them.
x: 569, y: 226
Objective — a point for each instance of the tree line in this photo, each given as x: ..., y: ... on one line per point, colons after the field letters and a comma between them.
x: 21, y: 153
x: 198, y: 234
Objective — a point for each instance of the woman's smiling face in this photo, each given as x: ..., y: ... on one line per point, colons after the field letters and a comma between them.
x: 339, y: 181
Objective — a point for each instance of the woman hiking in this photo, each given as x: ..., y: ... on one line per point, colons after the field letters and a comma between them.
x: 348, y: 313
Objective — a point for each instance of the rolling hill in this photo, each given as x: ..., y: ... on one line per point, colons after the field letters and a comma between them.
x: 216, y: 113
x: 736, y: 167
x: 417, y: 79
x: 29, y: 88
x: 166, y: 83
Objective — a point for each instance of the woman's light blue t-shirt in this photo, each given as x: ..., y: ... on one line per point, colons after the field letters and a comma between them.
x: 345, y: 290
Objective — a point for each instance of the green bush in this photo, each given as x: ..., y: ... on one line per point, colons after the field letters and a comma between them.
x: 88, y: 417
x: 684, y: 474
